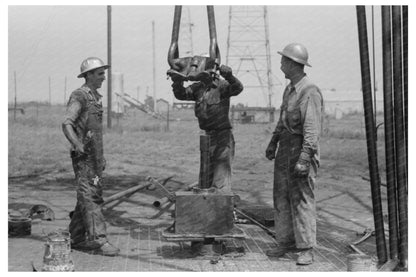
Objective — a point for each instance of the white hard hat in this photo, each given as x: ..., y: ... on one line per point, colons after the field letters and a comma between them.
x: 296, y: 52
x: 91, y: 63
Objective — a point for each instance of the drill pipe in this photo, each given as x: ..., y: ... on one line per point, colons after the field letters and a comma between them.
x: 204, y: 174
x: 399, y: 134
x: 370, y: 135
x: 389, y: 132
x: 214, y: 51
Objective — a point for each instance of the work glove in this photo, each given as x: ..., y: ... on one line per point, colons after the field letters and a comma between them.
x: 271, y: 151
x: 226, y: 71
x: 271, y: 148
x: 303, y: 165
x: 79, y: 148
x: 177, y: 86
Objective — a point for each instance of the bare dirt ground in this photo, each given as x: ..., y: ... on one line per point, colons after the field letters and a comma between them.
x: 138, y: 146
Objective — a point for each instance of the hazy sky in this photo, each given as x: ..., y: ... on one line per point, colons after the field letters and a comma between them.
x: 51, y: 41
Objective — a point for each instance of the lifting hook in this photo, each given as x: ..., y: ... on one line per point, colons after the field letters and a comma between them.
x: 195, y: 68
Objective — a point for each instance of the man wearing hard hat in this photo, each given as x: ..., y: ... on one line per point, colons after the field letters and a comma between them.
x: 296, y: 139
x: 212, y: 105
x: 83, y: 129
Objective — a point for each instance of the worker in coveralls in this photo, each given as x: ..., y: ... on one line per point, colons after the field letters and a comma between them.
x: 296, y: 138
x: 212, y: 105
x: 83, y: 128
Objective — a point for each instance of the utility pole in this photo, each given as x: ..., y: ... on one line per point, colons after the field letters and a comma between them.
x: 109, y: 69
x: 154, y: 68
x: 50, y: 104
x: 15, y: 95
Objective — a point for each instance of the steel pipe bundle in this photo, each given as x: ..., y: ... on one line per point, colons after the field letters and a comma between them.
x: 394, y: 37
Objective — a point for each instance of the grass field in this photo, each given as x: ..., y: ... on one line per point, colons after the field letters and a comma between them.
x: 138, y: 146
x: 138, y: 143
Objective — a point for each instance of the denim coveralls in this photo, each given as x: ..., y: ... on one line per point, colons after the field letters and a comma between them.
x: 84, y: 113
x: 298, y: 131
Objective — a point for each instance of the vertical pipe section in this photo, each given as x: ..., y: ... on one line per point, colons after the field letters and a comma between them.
x: 214, y: 51
x: 204, y: 174
x: 399, y: 133
x: 405, y: 86
x: 374, y: 68
x: 370, y: 134
x: 109, y: 69
x: 389, y: 131
x: 174, y: 48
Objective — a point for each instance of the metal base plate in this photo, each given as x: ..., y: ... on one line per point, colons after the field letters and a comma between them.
x: 236, y: 233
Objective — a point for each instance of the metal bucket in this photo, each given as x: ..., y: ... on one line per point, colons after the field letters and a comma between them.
x: 20, y: 226
x: 359, y: 262
x: 57, y: 255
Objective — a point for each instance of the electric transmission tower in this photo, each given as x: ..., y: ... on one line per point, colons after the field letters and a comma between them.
x: 185, y: 34
x: 248, y: 50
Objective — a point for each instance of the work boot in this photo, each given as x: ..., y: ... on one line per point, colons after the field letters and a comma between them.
x: 86, y: 245
x: 305, y: 257
x: 107, y: 249
x: 281, y: 250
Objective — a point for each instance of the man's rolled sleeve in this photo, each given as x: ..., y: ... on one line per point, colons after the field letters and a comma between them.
x: 234, y: 88
x: 312, y: 125
x: 73, y: 109
x: 182, y: 93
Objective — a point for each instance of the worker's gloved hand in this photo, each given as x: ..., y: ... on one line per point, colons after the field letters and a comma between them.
x: 303, y: 165
x: 177, y: 86
x: 271, y: 151
x: 79, y: 149
x: 226, y: 71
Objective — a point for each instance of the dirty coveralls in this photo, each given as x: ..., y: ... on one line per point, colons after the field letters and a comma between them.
x: 212, y: 105
x: 84, y: 113
x: 297, y: 132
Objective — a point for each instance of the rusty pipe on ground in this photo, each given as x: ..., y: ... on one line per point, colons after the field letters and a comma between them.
x: 370, y: 135
x: 125, y: 193
x: 399, y: 134
x: 174, y: 48
x: 164, y: 200
x: 269, y: 231
x: 389, y: 131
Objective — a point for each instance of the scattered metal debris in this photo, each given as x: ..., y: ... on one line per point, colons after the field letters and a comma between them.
x: 42, y: 212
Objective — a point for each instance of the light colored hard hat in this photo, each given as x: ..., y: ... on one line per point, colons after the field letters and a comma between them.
x: 91, y: 63
x: 296, y: 52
